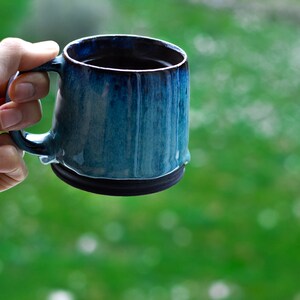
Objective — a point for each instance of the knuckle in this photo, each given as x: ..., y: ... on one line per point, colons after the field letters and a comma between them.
x: 8, y: 152
x: 9, y: 157
x: 12, y: 43
x: 12, y: 164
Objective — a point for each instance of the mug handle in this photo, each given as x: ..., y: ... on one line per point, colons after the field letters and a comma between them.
x: 38, y: 144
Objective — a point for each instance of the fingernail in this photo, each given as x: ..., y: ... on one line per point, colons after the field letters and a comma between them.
x: 10, y: 117
x: 23, y: 91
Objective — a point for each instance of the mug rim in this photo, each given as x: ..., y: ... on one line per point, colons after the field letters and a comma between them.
x: 166, y: 44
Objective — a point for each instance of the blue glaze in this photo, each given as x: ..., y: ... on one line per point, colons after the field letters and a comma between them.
x: 117, y: 123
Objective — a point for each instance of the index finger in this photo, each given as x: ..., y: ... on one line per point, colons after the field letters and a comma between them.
x: 19, y: 55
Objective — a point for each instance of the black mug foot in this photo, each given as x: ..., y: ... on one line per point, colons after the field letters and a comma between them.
x: 116, y: 187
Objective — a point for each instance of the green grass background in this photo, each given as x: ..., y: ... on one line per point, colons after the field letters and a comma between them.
x: 231, y: 228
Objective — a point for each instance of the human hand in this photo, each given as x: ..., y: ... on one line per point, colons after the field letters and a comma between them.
x: 24, y: 109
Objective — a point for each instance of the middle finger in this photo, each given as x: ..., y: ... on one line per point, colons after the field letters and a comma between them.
x: 29, y: 86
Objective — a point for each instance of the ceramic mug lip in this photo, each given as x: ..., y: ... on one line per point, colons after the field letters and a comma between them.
x: 166, y: 44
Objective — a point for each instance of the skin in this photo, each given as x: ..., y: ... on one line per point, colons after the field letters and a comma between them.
x: 25, y: 108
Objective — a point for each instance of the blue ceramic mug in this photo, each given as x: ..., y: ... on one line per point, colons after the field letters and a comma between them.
x: 121, y: 117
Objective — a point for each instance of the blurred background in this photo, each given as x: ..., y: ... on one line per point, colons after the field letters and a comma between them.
x: 231, y: 228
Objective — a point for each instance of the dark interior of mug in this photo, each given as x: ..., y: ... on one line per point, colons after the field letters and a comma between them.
x: 125, y: 52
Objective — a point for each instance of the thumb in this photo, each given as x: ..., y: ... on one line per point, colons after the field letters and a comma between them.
x: 19, y: 55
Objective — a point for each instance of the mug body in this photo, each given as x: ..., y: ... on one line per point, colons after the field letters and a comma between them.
x: 122, y: 108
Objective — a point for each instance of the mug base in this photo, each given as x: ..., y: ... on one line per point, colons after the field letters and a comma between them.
x: 117, y: 187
